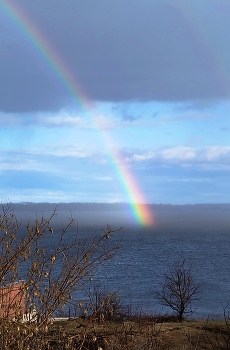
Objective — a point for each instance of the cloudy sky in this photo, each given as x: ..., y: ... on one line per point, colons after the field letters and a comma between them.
x: 109, y: 101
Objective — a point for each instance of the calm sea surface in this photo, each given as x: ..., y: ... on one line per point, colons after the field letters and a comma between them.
x: 200, y: 237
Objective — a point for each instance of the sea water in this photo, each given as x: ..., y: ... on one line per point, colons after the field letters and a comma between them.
x: 201, y: 237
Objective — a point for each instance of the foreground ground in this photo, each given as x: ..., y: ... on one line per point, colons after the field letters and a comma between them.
x: 139, y: 334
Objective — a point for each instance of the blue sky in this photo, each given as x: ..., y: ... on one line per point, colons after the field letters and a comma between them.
x: 156, y: 75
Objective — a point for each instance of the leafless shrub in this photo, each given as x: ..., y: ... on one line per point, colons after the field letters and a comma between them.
x: 102, y: 305
x: 52, y: 277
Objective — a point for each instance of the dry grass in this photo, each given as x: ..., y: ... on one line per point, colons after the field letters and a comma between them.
x: 140, y: 334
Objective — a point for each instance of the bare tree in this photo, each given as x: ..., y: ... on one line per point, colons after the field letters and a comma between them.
x: 50, y: 277
x: 179, y: 289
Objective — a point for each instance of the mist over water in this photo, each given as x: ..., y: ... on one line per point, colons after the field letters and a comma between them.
x: 199, y: 234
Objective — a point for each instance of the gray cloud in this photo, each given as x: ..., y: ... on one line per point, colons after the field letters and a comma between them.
x: 117, y: 51
x: 125, y: 113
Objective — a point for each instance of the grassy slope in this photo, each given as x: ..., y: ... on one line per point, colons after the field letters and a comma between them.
x: 136, y: 334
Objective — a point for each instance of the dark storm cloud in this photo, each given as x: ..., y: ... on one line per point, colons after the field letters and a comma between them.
x: 117, y: 51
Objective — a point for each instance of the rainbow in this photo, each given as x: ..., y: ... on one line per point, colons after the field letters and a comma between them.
x: 140, y: 209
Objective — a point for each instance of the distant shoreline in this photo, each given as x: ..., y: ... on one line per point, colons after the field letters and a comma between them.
x: 94, y: 206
